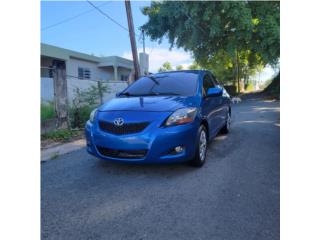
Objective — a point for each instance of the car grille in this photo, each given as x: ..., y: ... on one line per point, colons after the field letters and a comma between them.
x: 114, y: 153
x: 126, y: 128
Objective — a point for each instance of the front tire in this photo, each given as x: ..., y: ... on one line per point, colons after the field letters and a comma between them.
x: 201, y: 147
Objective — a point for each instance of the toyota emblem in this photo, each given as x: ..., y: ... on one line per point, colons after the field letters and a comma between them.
x: 118, y: 122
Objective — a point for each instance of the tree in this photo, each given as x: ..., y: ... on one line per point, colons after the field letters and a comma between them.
x: 238, y: 36
x: 166, y: 66
x: 179, y: 67
x: 195, y: 66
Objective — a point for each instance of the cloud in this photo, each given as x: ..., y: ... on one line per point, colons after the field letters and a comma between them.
x: 157, y: 56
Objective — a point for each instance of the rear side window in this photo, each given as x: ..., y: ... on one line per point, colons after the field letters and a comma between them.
x: 179, y: 83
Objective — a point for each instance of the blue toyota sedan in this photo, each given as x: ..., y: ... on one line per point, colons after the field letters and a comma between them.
x: 161, y: 118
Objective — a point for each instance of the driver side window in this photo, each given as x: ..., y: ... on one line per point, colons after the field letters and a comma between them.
x: 207, y: 83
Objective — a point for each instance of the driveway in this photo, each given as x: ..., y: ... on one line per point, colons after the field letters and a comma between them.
x: 236, y: 195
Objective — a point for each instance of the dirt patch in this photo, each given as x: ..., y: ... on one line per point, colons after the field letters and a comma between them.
x: 49, y: 143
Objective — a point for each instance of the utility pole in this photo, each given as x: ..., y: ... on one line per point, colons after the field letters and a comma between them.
x: 132, y: 40
x: 144, y: 48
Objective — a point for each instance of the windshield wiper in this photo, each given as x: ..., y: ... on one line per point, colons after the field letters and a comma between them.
x: 137, y: 95
x: 125, y: 94
x: 146, y: 94
x: 153, y: 79
x: 149, y: 94
x: 165, y: 93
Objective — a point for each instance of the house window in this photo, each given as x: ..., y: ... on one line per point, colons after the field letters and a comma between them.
x: 124, y: 77
x: 47, y: 72
x: 50, y: 73
x: 84, y: 73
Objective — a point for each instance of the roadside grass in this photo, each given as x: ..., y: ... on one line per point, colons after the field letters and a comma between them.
x: 47, y: 111
x: 61, y: 135
x: 79, y: 116
x: 77, y: 120
x: 54, y: 156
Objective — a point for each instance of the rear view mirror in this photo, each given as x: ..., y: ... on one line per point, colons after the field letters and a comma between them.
x: 214, y: 92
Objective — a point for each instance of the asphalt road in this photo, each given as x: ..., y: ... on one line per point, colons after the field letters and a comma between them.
x: 236, y: 195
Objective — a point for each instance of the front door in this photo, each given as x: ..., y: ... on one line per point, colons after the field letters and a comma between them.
x: 222, y: 104
x: 211, y: 106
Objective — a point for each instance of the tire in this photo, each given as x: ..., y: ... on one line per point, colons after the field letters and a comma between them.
x: 226, y: 127
x: 201, y: 147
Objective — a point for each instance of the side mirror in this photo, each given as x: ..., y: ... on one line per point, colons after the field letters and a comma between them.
x: 214, y: 92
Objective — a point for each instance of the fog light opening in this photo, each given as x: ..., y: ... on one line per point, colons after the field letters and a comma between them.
x: 178, y: 149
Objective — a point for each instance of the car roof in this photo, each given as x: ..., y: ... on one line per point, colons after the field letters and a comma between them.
x: 182, y: 71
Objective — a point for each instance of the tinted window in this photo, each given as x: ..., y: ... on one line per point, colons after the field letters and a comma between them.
x: 207, y: 83
x: 180, y: 83
x: 215, y: 81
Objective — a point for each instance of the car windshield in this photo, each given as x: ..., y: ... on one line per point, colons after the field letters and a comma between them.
x: 175, y: 83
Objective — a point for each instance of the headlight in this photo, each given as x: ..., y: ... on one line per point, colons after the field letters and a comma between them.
x: 93, y: 115
x: 182, y: 116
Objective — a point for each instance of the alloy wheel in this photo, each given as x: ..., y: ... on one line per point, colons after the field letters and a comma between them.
x: 228, y: 121
x: 202, y: 145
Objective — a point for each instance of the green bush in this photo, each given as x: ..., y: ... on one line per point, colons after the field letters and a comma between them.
x: 249, y: 87
x: 79, y: 116
x: 47, y: 111
x: 84, y: 102
x: 61, y: 135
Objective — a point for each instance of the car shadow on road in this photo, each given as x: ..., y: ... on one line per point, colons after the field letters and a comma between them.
x: 134, y: 169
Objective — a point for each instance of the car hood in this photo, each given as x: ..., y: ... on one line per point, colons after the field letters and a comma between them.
x: 149, y: 103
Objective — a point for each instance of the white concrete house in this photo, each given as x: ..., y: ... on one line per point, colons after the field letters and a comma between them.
x: 83, y: 70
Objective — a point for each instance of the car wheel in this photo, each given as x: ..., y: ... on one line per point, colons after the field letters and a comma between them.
x: 201, y: 148
x: 226, y: 127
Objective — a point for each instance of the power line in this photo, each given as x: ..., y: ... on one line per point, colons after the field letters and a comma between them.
x: 106, y: 15
x: 71, y: 18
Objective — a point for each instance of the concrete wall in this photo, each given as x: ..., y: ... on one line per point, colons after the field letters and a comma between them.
x: 105, y: 74
x: 113, y: 88
x: 123, y: 71
x: 97, y: 73
x: 73, y: 65
x: 47, y: 93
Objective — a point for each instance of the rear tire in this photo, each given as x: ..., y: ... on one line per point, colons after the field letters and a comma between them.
x: 201, y: 147
x: 226, y: 127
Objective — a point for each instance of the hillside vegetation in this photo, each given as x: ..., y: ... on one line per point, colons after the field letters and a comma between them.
x: 274, y: 87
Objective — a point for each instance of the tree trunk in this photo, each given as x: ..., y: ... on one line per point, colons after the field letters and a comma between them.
x: 237, y: 71
x: 60, y: 93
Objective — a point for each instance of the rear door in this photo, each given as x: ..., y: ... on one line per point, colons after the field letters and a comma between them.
x: 210, y: 105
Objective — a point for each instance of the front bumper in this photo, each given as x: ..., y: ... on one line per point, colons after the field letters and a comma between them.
x: 157, y: 142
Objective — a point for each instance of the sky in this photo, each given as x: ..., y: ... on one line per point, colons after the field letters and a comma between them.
x: 76, y: 25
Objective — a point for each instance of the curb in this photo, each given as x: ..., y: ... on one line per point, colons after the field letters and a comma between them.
x: 54, y: 152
